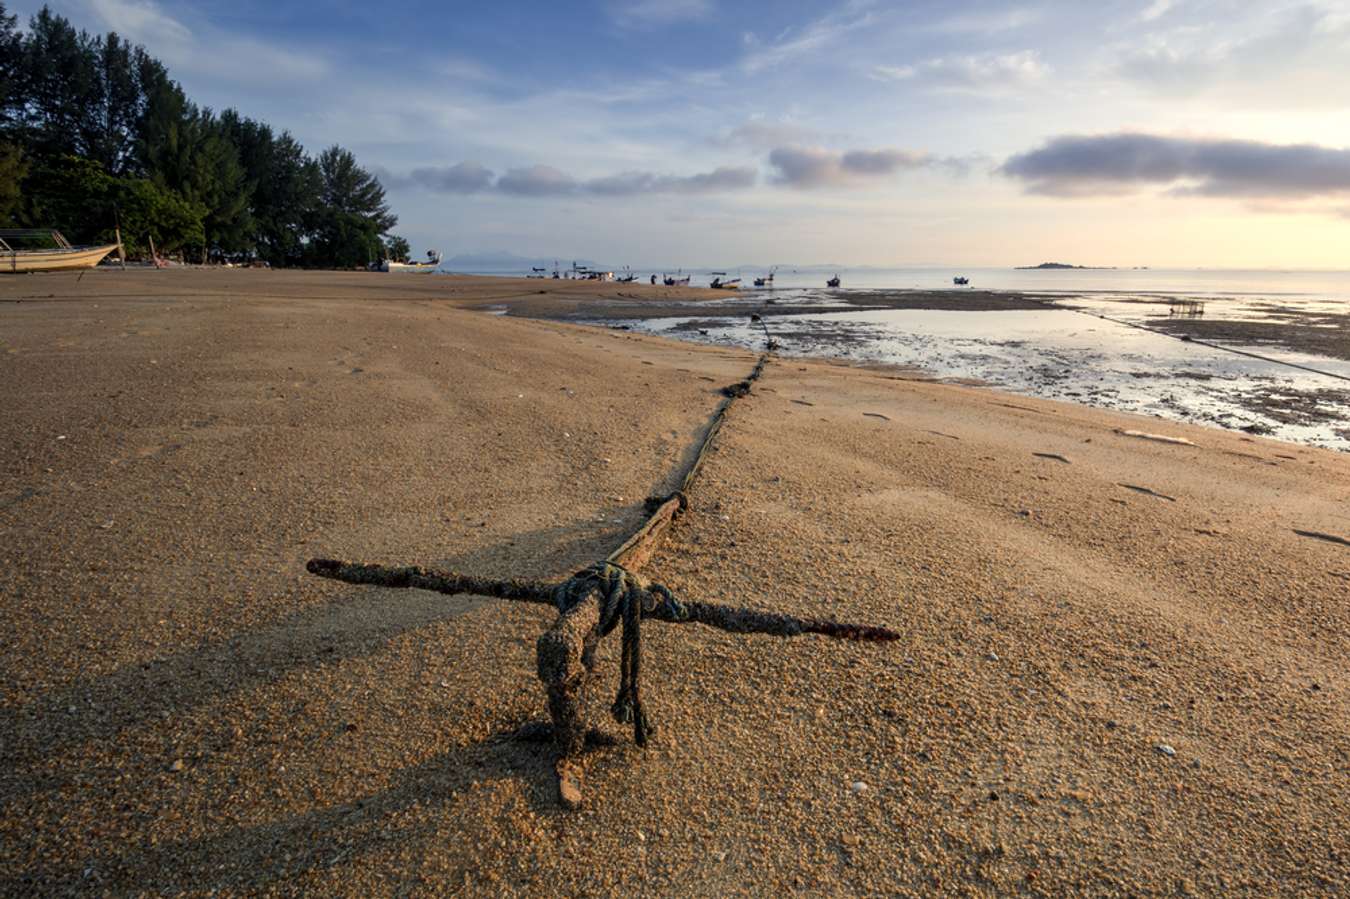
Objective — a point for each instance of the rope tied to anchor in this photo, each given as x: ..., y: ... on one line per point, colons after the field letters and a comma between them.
x: 623, y: 598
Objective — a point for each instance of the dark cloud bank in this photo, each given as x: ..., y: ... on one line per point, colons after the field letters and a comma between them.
x: 790, y: 166
x: 1119, y: 163
x: 815, y: 167
x: 1071, y: 165
x: 547, y: 181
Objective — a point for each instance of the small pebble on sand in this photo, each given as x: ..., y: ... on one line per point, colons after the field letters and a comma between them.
x: 1166, y: 750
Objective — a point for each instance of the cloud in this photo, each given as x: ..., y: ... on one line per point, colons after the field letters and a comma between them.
x: 547, y: 181
x: 792, y: 166
x: 141, y: 21
x: 720, y: 179
x: 761, y: 135
x: 971, y: 73
x: 817, y: 35
x: 1291, y: 56
x: 1126, y: 163
x: 536, y: 181
x: 1156, y: 10
x: 986, y: 22
x: 639, y: 14
x: 215, y: 53
x: 807, y: 167
x: 460, y: 178
x: 461, y: 68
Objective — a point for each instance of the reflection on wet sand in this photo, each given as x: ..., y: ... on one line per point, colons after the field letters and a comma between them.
x: 1045, y: 346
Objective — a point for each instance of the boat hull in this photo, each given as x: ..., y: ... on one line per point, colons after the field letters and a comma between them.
x: 412, y: 268
x: 21, y: 261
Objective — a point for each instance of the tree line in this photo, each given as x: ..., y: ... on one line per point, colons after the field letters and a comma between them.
x: 94, y: 133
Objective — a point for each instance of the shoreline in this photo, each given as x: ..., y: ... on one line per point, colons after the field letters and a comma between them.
x: 188, y: 710
x: 1294, y: 392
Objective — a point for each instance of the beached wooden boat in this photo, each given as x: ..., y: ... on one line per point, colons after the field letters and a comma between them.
x: 421, y: 268
x: 62, y: 257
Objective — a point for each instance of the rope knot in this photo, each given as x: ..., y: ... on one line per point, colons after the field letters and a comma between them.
x: 623, y: 597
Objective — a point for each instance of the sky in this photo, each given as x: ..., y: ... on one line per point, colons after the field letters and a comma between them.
x: 1210, y: 133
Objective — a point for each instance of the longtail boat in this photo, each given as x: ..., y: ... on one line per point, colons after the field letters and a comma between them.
x: 419, y: 268
x: 58, y: 258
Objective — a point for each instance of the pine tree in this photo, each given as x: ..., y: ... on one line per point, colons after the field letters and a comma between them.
x: 353, y: 214
x: 11, y: 67
x: 93, y: 127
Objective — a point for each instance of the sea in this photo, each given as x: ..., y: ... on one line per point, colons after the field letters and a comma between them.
x: 1318, y: 285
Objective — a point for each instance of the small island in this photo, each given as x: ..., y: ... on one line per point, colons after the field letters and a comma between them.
x: 1059, y: 265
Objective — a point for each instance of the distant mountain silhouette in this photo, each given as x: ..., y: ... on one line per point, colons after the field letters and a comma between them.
x: 1062, y: 265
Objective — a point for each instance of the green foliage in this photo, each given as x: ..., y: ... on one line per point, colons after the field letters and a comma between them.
x: 103, y: 130
x: 13, y: 169
x: 110, y: 122
x: 216, y: 180
x: 396, y: 249
x: 148, y: 211
x: 56, y: 79
x: 11, y: 60
x: 343, y: 240
x: 351, y: 189
x: 284, y: 183
x: 351, y: 214
x: 79, y: 199
x: 69, y: 193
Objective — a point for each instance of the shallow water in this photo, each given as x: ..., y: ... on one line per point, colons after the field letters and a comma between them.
x: 1062, y: 354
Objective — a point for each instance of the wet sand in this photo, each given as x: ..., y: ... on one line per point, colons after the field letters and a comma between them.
x: 623, y: 301
x: 1197, y: 369
x: 1124, y: 666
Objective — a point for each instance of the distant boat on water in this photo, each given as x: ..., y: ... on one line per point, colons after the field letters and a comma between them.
x: 719, y: 284
x: 62, y: 257
x: 672, y: 281
x: 833, y: 282
x: 421, y: 268
x: 960, y: 281
x: 767, y: 280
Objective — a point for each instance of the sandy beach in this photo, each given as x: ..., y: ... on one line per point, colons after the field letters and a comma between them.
x: 1124, y: 665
